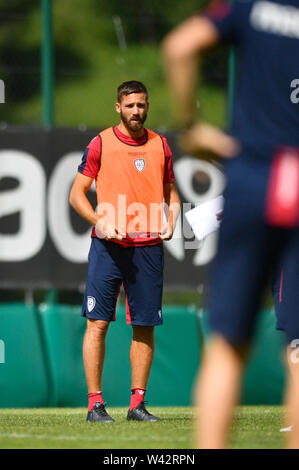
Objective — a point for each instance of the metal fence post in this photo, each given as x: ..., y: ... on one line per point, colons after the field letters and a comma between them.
x: 47, y: 61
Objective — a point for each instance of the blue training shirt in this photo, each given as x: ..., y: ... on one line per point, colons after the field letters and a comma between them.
x: 266, y: 36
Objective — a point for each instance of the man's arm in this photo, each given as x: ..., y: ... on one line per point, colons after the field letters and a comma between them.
x: 181, y: 50
x: 172, y: 209
x: 79, y: 201
x: 81, y: 204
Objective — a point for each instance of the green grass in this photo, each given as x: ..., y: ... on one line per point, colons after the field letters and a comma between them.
x: 255, y: 427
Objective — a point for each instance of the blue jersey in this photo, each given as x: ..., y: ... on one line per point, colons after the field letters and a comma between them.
x: 266, y: 105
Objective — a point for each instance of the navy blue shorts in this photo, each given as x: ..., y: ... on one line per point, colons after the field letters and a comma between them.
x: 285, y: 289
x: 249, y: 251
x: 140, y: 269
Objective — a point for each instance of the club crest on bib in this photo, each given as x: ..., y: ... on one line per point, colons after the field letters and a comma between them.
x: 139, y: 164
x: 91, y: 301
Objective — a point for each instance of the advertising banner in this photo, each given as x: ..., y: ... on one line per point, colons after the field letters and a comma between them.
x: 44, y: 243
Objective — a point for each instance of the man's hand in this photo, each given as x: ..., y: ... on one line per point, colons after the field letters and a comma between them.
x: 166, y: 231
x: 206, y: 141
x: 107, y: 231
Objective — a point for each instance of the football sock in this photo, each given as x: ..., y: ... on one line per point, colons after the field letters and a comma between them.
x: 137, y: 396
x: 93, y: 398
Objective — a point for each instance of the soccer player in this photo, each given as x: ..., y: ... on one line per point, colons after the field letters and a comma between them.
x: 260, y: 218
x: 133, y: 171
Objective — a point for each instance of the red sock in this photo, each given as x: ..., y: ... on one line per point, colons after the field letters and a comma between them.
x: 137, y: 396
x: 93, y: 398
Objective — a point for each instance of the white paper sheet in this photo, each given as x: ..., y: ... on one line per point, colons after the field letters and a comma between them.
x: 202, y: 218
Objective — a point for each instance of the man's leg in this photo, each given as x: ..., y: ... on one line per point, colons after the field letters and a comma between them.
x: 286, y: 310
x: 94, y: 353
x: 141, y: 355
x: 103, y: 282
x: 293, y: 398
x: 217, y: 393
x: 141, y: 358
x: 144, y: 284
x: 93, y: 356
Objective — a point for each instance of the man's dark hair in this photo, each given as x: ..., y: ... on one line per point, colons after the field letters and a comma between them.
x: 127, y: 88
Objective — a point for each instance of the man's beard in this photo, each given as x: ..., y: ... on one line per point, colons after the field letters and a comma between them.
x: 135, y: 125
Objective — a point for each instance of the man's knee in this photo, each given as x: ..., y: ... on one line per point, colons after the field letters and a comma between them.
x: 224, y: 346
x: 97, y: 328
x: 143, y: 334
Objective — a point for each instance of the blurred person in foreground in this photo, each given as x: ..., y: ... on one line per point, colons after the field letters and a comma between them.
x: 132, y: 168
x: 259, y: 228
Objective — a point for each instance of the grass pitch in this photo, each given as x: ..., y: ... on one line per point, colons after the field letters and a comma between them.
x: 255, y: 427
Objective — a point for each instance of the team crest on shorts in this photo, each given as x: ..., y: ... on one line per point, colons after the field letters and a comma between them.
x: 91, y: 301
x: 139, y: 164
